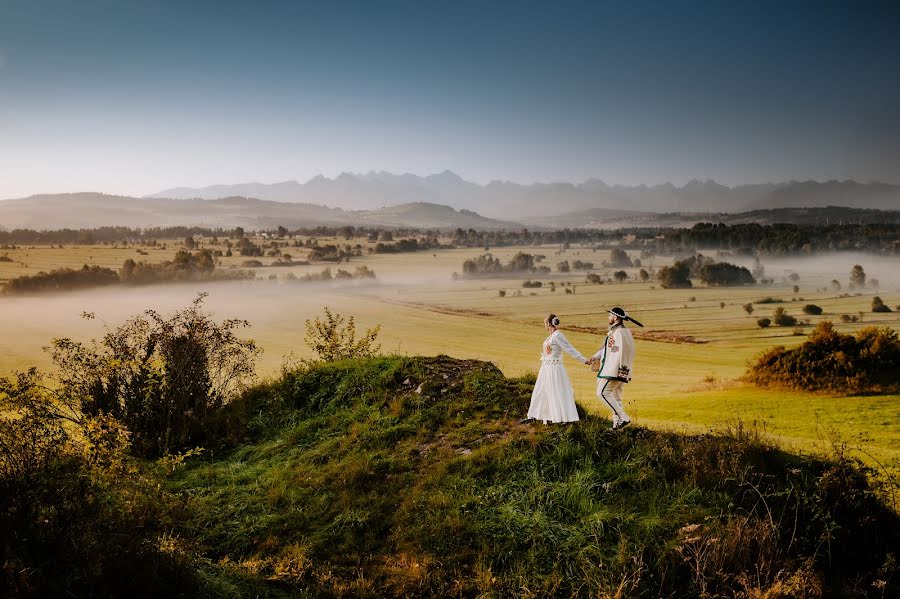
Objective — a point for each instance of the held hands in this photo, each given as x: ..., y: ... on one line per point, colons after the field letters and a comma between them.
x: 549, y: 350
x: 589, y: 361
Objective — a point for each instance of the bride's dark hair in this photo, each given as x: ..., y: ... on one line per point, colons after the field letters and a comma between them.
x: 552, y: 320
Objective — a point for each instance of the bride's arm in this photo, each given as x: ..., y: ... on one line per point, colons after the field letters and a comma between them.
x: 567, y: 347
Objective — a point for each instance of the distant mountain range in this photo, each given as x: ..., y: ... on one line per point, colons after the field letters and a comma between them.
x: 90, y: 210
x: 532, y: 203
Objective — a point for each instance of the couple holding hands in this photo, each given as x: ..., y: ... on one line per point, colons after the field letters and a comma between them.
x: 553, y: 399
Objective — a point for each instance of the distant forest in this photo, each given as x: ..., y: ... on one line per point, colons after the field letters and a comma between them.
x: 749, y: 239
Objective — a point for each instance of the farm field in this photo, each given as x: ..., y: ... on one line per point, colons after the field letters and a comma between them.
x: 690, y: 354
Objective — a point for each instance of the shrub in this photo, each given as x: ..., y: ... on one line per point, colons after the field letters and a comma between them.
x: 878, y: 305
x: 529, y: 284
x: 748, y: 308
x: 763, y: 322
x: 831, y: 361
x: 160, y: 377
x: 782, y: 318
x: 332, y: 340
x: 76, y: 518
x: 769, y: 300
x: 812, y: 309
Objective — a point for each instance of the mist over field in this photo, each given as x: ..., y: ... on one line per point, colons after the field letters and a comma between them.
x: 819, y: 269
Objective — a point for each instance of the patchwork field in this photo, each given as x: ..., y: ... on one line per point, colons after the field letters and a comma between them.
x: 690, y: 355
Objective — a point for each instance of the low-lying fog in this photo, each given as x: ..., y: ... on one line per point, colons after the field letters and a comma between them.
x: 822, y: 268
x: 277, y: 310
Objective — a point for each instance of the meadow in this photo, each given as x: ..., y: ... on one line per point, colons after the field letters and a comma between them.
x: 691, y: 354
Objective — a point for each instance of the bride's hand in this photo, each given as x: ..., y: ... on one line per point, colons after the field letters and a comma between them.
x: 549, y: 350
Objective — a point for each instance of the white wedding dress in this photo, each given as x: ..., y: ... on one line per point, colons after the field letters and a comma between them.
x: 553, y: 399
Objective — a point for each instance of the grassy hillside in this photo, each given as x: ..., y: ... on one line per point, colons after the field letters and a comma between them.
x: 413, y: 477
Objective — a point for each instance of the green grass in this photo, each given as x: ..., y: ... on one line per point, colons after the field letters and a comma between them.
x: 402, y: 476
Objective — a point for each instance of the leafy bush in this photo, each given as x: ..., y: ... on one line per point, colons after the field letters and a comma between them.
x: 76, y: 517
x: 831, y: 361
x: 770, y: 300
x: 763, y: 323
x: 160, y: 377
x: 781, y: 318
x: 332, y: 340
x: 878, y: 305
x: 812, y: 309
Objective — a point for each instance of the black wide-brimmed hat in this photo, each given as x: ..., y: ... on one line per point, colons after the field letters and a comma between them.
x: 624, y: 315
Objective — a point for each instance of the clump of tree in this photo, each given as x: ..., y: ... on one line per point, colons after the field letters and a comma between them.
x: 593, y: 278
x: 333, y: 337
x: 408, y: 245
x: 878, y: 305
x: 328, y: 253
x: 812, y: 309
x: 857, y: 277
x: 582, y: 265
x: 834, y: 362
x: 63, y: 279
x: 487, y: 265
x: 722, y: 274
x: 763, y: 323
x: 185, y: 266
x: 529, y: 284
x: 676, y: 276
x: 618, y: 258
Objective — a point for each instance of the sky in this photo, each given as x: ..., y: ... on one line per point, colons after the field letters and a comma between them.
x: 136, y: 96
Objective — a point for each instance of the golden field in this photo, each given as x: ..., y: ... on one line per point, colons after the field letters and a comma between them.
x: 690, y: 355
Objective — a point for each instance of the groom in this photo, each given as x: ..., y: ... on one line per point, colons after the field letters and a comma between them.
x: 616, y: 358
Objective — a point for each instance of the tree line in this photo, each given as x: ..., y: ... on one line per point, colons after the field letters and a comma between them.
x: 746, y: 238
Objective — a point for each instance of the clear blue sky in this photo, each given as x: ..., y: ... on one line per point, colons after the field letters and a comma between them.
x: 131, y: 96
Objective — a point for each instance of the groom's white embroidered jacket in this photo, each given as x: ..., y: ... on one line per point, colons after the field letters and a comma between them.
x: 617, y: 355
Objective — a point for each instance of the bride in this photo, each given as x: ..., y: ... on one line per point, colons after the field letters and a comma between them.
x: 553, y: 399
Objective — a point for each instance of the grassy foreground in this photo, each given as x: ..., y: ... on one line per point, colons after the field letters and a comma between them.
x: 399, y: 476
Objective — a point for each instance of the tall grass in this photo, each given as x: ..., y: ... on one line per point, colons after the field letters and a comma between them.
x: 412, y: 477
